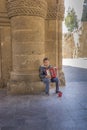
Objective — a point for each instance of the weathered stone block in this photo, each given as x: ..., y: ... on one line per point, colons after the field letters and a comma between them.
x: 25, y: 87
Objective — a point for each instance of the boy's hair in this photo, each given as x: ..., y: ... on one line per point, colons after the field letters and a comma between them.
x: 46, y: 58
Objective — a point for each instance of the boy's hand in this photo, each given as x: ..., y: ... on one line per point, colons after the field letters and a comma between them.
x: 48, y: 76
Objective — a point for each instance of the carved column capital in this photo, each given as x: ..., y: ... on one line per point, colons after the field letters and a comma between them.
x: 56, y: 11
x: 60, y: 11
x: 27, y: 7
x: 51, y: 12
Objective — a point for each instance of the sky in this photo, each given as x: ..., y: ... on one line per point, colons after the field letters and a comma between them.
x: 77, y: 5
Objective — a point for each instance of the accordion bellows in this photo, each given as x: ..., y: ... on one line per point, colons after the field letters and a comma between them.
x: 53, y: 72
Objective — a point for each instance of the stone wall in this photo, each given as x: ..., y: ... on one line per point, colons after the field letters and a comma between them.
x: 75, y: 49
x: 5, y: 45
x: 68, y: 45
x: 5, y: 54
x: 83, y: 40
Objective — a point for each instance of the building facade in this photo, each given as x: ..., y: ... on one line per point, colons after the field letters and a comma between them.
x: 83, y: 38
x: 29, y: 31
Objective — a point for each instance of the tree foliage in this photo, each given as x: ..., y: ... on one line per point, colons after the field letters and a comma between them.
x: 71, y: 20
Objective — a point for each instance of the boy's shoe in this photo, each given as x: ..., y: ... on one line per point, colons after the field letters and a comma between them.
x: 58, y: 92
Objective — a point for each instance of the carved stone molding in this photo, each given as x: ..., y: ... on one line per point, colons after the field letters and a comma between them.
x: 60, y: 11
x: 27, y: 7
x: 52, y: 12
x: 55, y: 12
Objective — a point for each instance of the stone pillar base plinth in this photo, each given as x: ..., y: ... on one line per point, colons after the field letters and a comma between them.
x: 1, y: 83
x: 25, y: 87
x: 25, y: 83
x: 62, y: 81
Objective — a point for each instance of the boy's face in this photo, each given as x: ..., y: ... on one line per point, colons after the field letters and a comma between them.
x: 46, y: 63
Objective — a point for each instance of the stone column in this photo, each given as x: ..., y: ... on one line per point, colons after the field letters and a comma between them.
x: 53, y: 45
x: 28, y: 34
x: 60, y: 16
x: 5, y: 45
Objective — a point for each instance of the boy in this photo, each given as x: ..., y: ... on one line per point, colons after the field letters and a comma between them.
x: 45, y: 75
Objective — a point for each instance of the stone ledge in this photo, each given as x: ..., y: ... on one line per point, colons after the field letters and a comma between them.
x: 16, y: 87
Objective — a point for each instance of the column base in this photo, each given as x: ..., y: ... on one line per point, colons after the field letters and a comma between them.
x: 62, y: 81
x: 25, y: 87
x: 1, y: 83
x: 25, y: 83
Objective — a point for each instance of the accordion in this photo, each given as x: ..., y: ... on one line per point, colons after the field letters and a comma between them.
x: 52, y: 72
